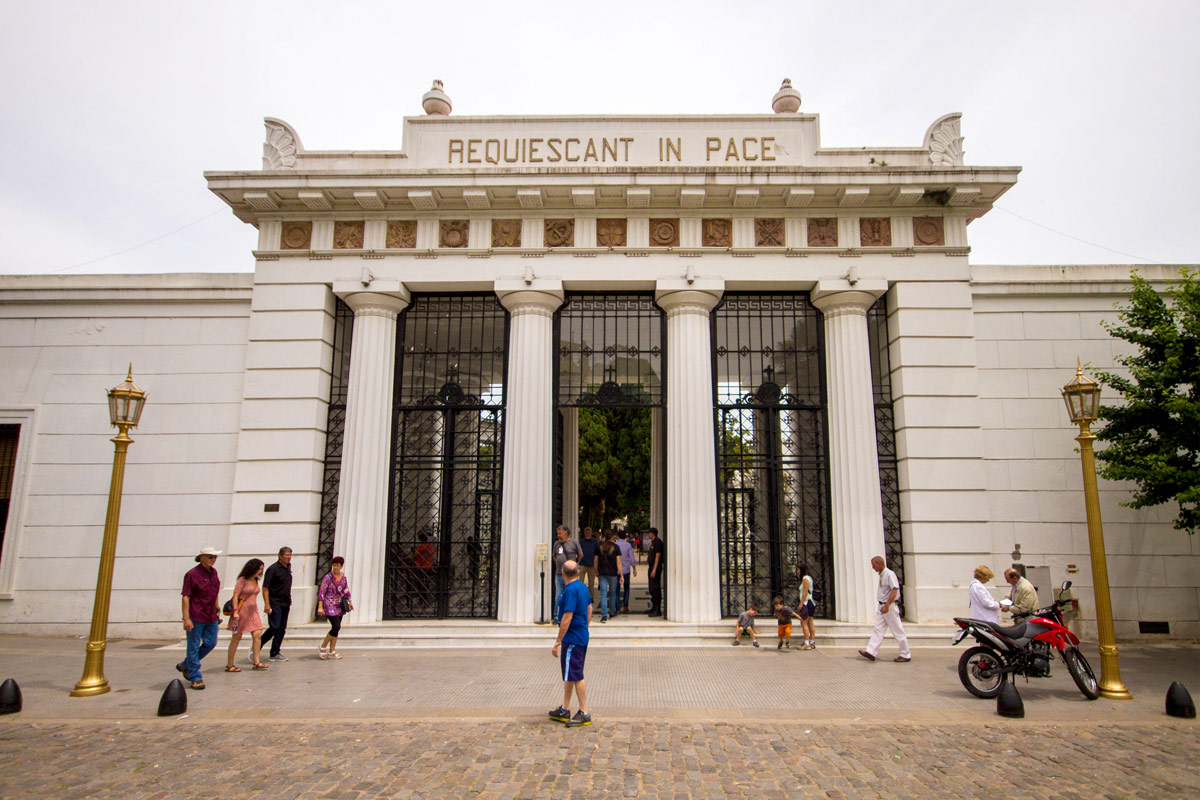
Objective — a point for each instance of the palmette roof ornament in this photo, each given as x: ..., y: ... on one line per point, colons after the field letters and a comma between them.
x: 436, y: 102
x: 786, y: 100
x: 282, y: 145
x: 944, y: 141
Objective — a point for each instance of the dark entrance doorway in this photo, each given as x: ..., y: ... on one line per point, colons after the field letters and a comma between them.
x: 443, y: 537
x: 772, y: 467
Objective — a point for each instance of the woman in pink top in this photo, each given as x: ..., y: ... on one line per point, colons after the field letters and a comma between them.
x: 334, y: 588
x: 245, y: 617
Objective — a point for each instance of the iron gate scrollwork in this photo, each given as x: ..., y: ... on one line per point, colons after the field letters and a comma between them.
x: 772, y: 466
x: 443, y: 538
x: 335, y: 427
x: 885, y: 434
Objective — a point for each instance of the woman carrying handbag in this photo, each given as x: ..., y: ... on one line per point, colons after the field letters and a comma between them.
x: 333, y: 602
x: 244, y: 617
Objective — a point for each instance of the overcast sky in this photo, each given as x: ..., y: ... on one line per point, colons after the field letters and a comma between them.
x: 113, y: 110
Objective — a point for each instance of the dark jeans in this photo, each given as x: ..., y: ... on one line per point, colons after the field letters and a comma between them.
x: 276, y: 626
x: 624, y: 590
x: 656, y: 591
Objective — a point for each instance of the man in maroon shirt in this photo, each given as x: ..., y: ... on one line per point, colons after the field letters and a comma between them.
x: 201, y: 614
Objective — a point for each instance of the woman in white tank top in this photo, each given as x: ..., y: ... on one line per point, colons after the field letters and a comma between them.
x: 806, y: 608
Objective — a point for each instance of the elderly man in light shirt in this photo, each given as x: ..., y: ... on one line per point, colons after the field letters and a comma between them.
x: 1023, y: 595
x: 887, y: 616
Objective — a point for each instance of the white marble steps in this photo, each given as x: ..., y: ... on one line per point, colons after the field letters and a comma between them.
x: 634, y: 630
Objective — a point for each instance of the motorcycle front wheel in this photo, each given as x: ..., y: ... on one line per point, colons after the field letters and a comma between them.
x: 973, y: 663
x: 1081, y: 672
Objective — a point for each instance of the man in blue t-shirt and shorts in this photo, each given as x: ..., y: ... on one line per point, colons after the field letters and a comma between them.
x: 574, y: 613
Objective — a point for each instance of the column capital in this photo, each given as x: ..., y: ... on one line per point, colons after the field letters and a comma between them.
x: 377, y: 297
x: 678, y: 296
x: 840, y: 296
x: 534, y: 297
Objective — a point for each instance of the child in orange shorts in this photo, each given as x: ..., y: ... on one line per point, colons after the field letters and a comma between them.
x: 785, y: 616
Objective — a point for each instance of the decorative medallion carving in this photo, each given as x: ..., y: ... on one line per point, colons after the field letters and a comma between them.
x: 560, y: 233
x: 610, y: 232
x: 822, y: 232
x: 769, y: 233
x: 453, y: 233
x: 944, y: 141
x: 506, y: 233
x: 281, y: 146
x: 296, y: 236
x: 664, y: 233
x: 718, y: 233
x: 401, y: 234
x: 928, y: 232
x: 348, y: 235
x: 875, y: 231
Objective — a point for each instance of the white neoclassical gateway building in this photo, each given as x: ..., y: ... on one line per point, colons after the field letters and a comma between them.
x: 827, y: 375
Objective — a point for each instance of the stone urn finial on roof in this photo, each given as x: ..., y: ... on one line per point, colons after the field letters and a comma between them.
x: 786, y: 100
x: 436, y: 102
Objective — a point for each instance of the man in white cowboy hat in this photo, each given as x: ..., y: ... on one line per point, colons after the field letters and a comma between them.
x: 201, y: 613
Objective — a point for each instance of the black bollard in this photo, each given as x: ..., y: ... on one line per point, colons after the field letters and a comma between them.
x: 1008, y: 702
x: 174, y: 700
x: 10, y: 697
x: 1179, y: 702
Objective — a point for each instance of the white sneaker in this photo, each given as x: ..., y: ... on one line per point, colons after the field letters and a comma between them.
x: 334, y: 654
x: 278, y: 657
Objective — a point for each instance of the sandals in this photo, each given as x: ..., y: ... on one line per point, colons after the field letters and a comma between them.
x: 232, y: 668
x: 259, y: 665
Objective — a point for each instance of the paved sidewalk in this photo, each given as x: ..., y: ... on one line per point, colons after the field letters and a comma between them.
x: 677, y: 723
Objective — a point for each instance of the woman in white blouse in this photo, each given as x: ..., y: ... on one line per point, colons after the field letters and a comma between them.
x: 983, y: 605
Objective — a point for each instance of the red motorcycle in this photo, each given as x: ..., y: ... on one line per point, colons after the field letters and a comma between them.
x: 1022, y: 649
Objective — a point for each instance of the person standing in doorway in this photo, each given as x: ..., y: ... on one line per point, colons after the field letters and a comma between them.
x: 656, y: 560
x: 201, y: 614
x: 574, y: 610
x: 587, y: 562
x: 608, y: 563
x: 887, y: 616
x: 277, y: 602
x: 565, y: 549
x: 628, y: 562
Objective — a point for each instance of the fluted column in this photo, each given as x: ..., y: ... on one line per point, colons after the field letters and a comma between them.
x: 361, y: 526
x: 528, y: 502
x: 692, y: 576
x: 853, y: 450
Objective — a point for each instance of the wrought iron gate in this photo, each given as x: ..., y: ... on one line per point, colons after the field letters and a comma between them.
x: 443, y: 537
x: 772, y: 467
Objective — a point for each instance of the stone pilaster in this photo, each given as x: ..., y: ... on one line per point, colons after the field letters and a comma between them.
x: 361, y: 526
x: 692, y: 578
x: 853, y: 450
x: 527, y: 503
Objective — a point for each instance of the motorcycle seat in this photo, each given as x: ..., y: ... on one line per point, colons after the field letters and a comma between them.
x: 1012, y: 631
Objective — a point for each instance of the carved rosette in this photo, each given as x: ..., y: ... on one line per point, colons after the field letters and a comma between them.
x: 506, y: 233
x: 944, y: 141
x: 664, y: 233
x: 928, y: 232
x: 718, y: 233
x: 453, y: 233
x: 875, y: 231
x: 281, y: 146
x: 610, y: 232
x: 401, y: 234
x: 560, y: 233
x: 769, y: 233
x: 296, y: 236
x: 348, y: 235
x: 822, y: 232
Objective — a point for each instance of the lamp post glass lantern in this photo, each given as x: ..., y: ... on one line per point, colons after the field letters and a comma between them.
x: 125, y: 404
x: 1082, y: 396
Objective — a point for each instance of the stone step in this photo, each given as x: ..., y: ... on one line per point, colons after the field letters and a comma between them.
x: 632, y: 630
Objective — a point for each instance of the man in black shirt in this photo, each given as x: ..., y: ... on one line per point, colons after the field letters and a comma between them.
x: 656, y: 560
x: 277, y: 601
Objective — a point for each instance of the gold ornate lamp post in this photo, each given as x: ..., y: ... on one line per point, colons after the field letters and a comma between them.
x: 1082, y: 396
x: 124, y: 409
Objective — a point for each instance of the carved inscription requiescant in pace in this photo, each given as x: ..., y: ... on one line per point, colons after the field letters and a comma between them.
x: 610, y: 150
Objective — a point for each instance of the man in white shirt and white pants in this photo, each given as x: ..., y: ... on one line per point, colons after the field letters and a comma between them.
x: 888, y: 616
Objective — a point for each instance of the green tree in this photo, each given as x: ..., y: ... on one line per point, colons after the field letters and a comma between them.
x: 1154, y: 436
x: 614, y: 465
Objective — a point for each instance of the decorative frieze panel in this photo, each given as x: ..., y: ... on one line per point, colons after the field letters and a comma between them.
x: 875, y: 231
x: 560, y: 233
x: 928, y: 232
x: 453, y: 233
x: 401, y: 234
x: 769, y: 233
x: 610, y: 232
x: 348, y: 235
x: 822, y: 232
x: 296, y: 236
x: 718, y: 233
x: 506, y: 233
x: 664, y: 233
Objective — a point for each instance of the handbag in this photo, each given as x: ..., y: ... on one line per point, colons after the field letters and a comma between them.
x: 227, y: 609
x: 345, y: 605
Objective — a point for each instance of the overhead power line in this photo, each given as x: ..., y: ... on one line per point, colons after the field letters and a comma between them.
x: 1076, y: 238
x: 136, y: 246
